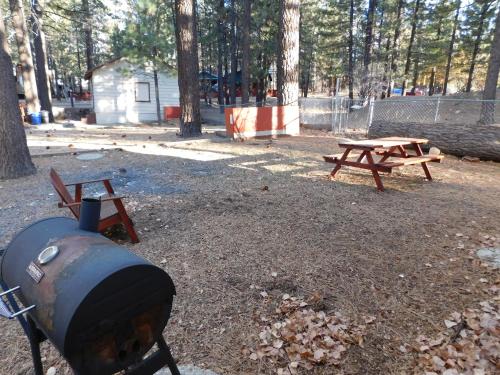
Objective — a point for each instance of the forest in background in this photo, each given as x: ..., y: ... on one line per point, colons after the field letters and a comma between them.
x: 380, y: 44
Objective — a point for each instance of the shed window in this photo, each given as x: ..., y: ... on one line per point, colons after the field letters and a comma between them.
x: 142, y: 92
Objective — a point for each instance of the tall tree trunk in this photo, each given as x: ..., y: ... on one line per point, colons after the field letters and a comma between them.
x: 367, y: 56
x: 288, y: 52
x: 79, y: 63
x: 25, y: 56
x: 245, y: 51
x: 477, y: 44
x: 157, y: 95
x: 87, y: 25
x: 261, y: 87
x: 187, y: 67
x: 234, y: 56
x: 226, y: 69
x: 350, y: 47
x: 415, y: 72
x: 490, y: 86
x: 432, y: 81
x: 395, y: 46
x: 42, y: 66
x: 307, y: 81
x: 450, y: 49
x: 15, y: 160
x: 220, y: 52
x: 386, y: 79
x: 414, y: 23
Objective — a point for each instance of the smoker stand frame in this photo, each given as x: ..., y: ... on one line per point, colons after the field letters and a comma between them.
x: 148, y: 366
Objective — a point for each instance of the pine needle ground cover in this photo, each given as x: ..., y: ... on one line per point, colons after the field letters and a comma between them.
x: 280, y: 270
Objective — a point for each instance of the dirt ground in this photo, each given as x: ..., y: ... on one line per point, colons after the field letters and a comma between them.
x: 229, y: 220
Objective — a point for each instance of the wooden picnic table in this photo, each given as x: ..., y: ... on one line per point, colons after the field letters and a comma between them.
x: 393, y: 152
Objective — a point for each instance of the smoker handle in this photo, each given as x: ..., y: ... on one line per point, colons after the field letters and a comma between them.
x: 12, y: 311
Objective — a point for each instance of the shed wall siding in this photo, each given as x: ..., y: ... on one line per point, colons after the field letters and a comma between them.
x: 114, y: 94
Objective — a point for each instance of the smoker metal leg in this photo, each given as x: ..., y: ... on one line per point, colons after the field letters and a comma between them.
x: 156, y: 362
x: 162, y: 345
x: 30, y: 329
x: 35, y: 346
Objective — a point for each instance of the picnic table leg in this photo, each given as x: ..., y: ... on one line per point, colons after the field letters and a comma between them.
x: 360, y: 157
x: 375, y: 174
x: 339, y: 163
x: 387, y: 155
x: 419, y: 152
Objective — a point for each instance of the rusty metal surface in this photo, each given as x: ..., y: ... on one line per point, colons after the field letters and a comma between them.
x: 102, y: 306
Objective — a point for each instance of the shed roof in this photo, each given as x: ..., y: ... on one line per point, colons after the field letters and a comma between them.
x: 89, y: 73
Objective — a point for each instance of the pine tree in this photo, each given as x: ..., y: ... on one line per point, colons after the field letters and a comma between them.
x: 490, y: 87
x: 42, y: 68
x: 15, y: 160
x: 187, y: 66
x: 245, y: 50
x: 288, y: 52
x: 451, y: 47
x: 25, y: 55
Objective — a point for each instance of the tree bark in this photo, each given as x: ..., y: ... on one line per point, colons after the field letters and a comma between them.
x: 414, y: 23
x: 477, y: 44
x: 157, y: 96
x: 15, y: 160
x: 187, y: 64
x: 432, y: 81
x: 87, y: 25
x: 220, y: 50
x: 415, y: 73
x: 395, y: 49
x: 450, y: 49
x: 288, y: 52
x: 79, y: 63
x: 350, y: 47
x: 234, y: 56
x: 226, y: 69
x: 42, y: 67
x: 490, y: 86
x: 367, y: 56
x: 245, y: 51
x: 25, y: 56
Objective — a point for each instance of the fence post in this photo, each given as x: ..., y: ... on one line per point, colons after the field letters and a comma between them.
x: 370, y: 114
x: 436, y: 115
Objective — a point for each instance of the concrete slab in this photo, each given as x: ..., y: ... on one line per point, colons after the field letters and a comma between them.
x: 490, y: 255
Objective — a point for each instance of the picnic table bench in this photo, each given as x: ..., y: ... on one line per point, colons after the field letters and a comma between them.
x: 393, y: 151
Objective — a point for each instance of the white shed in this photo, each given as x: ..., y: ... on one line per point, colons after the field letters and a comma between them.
x: 123, y: 93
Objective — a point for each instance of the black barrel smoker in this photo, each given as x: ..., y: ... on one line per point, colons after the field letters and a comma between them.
x: 100, y: 305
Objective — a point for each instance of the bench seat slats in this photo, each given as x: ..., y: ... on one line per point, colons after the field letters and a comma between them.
x: 412, y: 160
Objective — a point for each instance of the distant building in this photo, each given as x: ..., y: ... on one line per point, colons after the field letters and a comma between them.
x: 124, y: 93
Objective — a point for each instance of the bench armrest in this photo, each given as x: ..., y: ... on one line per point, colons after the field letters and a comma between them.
x: 88, y: 182
x: 61, y: 205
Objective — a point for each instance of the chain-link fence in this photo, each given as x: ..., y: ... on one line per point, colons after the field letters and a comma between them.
x: 436, y: 110
x: 344, y: 115
x: 338, y: 114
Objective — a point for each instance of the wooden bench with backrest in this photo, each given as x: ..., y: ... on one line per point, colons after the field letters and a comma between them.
x: 112, y: 209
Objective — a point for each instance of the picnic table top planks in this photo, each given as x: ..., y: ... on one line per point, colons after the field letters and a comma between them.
x: 382, y: 142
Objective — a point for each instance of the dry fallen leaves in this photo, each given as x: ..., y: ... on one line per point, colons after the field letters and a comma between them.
x: 471, y: 344
x: 299, y: 337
